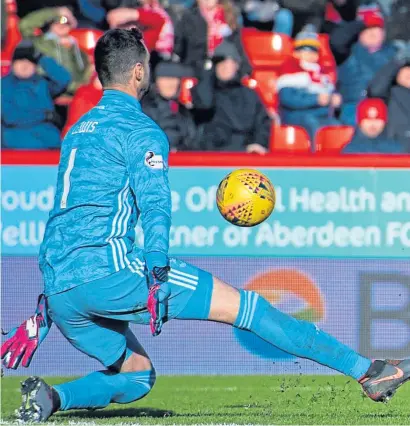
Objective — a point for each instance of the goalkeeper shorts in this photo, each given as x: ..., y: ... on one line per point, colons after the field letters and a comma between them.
x: 95, y: 316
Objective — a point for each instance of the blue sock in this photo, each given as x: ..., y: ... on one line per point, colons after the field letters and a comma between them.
x: 300, y: 338
x: 98, y: 389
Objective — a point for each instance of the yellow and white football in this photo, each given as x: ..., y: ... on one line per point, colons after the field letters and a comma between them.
x: 245, y: 197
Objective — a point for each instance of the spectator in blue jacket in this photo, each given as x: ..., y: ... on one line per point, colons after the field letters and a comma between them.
x: 392, y: 84
x: 370, y: 136
x: 28, y: 115
x: 360, y: 51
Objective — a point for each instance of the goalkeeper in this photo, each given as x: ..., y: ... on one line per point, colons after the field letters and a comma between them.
x: 113, y: 169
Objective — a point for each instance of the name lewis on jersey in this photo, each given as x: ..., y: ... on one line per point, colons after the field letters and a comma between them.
x: 85, y: 127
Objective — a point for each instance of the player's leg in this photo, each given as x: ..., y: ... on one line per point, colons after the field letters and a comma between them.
x: 211, y: 299
x: 250, y: 311
x: 127, y: 380
x: 83, y: 315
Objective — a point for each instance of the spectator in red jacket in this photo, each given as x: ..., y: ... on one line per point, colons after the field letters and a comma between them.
x: 165, y: 43
x: 150, y: 21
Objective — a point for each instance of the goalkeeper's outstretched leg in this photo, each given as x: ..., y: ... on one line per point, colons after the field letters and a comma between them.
x: 248, y: 310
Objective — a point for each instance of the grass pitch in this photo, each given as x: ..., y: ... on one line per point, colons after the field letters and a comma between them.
x: 280, y: 400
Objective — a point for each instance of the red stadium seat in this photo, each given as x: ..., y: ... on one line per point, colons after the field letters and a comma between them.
x: 332, y: 139
x: 265, y: 87
x: 292, y: 139
x: 87, y: 39
x: 264, y: 83
x: 266, y: 49
x: 326, y: 57
x: 185, y: 96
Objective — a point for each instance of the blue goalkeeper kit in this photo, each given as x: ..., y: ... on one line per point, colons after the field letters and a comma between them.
x: 113, y: 166
x: 113, y: 169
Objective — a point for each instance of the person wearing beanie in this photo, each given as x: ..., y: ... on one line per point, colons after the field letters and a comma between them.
x: 28, y: 114
x: 49, y: 29
x: 162, y: 104
x: 306, y: 89
x: 370, y: 135
x: 231, y: 116
x: 392, y: 84
x: 360, y: 50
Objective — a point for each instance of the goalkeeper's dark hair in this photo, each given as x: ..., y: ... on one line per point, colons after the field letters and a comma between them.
x: 116, y: 54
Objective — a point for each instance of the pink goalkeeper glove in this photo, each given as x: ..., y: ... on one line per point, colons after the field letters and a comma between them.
x: 158, y: 293
x: 22, y: 342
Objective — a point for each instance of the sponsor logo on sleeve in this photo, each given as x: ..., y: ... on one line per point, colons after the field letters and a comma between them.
x: 154, y: 161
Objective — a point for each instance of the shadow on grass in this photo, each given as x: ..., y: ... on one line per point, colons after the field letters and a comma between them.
x: 132, y: 413
x: 124, y: 412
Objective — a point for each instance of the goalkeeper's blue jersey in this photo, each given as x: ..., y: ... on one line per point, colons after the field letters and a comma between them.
x: 113, y: 168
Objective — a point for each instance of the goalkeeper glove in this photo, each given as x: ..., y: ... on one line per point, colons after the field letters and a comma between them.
x: 22, y: 342
x: 158, y: 293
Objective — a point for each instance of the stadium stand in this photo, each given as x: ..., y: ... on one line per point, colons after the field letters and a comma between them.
x: 266, y: 52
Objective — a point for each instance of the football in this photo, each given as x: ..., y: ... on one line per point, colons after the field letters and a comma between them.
x: 245, y: 197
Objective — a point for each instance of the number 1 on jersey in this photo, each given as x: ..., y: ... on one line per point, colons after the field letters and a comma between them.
x: 66, y: 187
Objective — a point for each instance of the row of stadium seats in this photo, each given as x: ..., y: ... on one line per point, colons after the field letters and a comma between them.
x: 267, y: 50
x: 294, y: 139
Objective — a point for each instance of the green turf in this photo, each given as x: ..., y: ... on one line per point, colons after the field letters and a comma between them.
x: 242, y: 400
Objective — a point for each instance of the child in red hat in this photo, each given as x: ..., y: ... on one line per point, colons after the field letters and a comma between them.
x: 370, y: 135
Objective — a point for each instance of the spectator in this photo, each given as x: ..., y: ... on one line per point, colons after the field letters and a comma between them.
x: 153, y: 19
x: 89, y: 13
x: 25, y: 7
x: 28, y: 116
x: 370, y: 136
x: 392, y: 84
x: 359, y: 61
x: 161, y: 104
x: 201, y: 31
x: 398, y: 18
x: 55, y: 41
x: 232, y: 18
x: 312, y: 12
x: 268, y: 11
x: 85, y: 98
x: 232, y: 116
x: 306, y: 91
x: 338, y: 11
